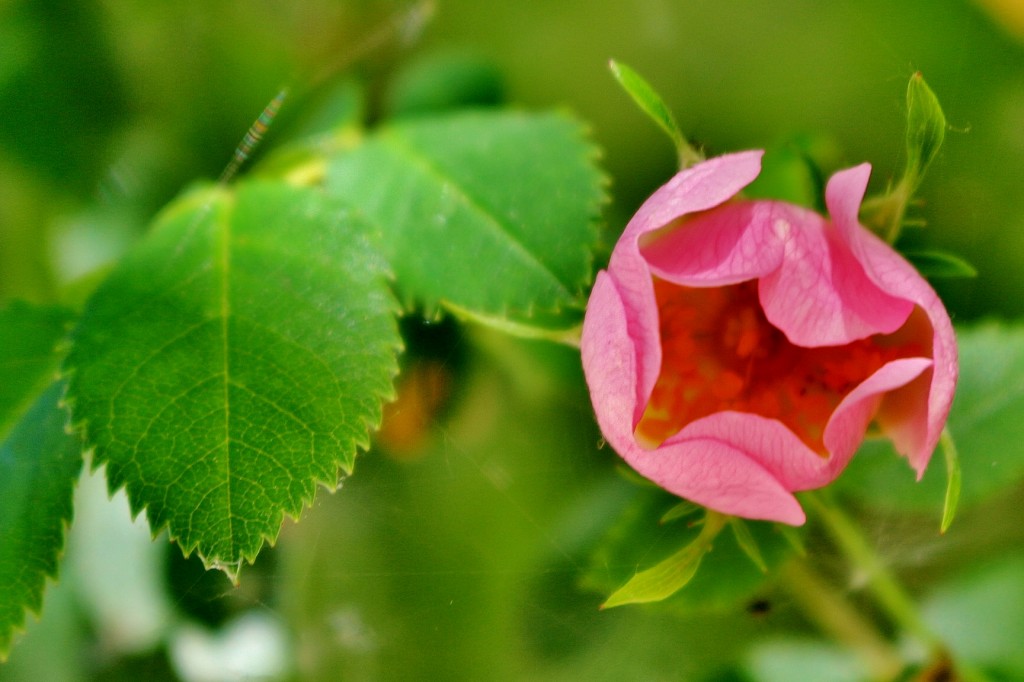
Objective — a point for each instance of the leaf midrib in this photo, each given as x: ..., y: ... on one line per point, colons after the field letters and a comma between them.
x: 224, y: 261
x: 403, y: 146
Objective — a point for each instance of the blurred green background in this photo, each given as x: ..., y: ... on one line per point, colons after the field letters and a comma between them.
x: 458, y: 557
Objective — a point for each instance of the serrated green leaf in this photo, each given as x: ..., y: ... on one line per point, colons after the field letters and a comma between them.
x: 491, y: 213
x: 29, y: 361
x: 234, y: 360
x: 926, y: 128
x: 985, y: 420
x: 935, y: 264
x: 39, y: 461
x: 651, y: 103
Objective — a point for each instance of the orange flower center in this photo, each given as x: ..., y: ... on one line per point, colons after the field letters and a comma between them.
x: 720, y: 352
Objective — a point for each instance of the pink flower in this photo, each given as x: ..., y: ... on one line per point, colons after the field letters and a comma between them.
x: 736, y: 351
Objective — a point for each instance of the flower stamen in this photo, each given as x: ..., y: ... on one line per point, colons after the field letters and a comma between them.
x: 720, y: 352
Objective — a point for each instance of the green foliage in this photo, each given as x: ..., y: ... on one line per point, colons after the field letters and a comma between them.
x: 29, y: 336
x: 980, y: 613
x: 444, y: 81
x: 668, y: 576
x: 746, y: 542
x: 39, y: 461
x: 985, y: 420
x: 937, y: 264
x: 489, y: 214
x: 926, y: 128
x: 453, y: 561
x: 954, y: 481
x: 240, y: 353
x: 236, y: 358
x: 638, y: 559
x: 651, y: 103
x: 792, y: 172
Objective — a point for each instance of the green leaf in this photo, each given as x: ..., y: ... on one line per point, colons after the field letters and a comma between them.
x: 39, y: 461
x: 985, y: 420
x: 926, y: 128
x: 651, y: 103
x: 488, y: 213
x: 670, y: 575
x: 634, y: 535
x: 935, y: 264
x: 29, y: 360
x: 234, y: 360
x: 954, y: 480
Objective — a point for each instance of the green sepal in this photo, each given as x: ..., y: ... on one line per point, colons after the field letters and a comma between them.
x: 667, y: 577
x: 926, y: 128
x: 953, y: 480
x: 747, y: 543
x: 939, y: 264
x: 680, y: 511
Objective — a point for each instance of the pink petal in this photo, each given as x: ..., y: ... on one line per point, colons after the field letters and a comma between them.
x: 821, y: 283
x: 725, y: 245
x: 849, y: 422
x: 695, y: 189
x: 716, y: 474
x: 915, y: 430
x: 698, y: 464
x: 698, y: 188
x: 766, y: 442
x: 821, y: 295
x: 610, y: 363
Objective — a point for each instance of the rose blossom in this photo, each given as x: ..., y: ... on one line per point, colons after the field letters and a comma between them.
x: 737, y: 350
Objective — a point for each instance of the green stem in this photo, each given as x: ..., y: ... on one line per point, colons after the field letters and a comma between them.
x: 885, y: 214
x: 834, y: 615
x: 890, y: 594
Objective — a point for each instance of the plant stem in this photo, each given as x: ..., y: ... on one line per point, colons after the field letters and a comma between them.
x: 891, y: 596
x: 888, y: 592
x: 834, y: 615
